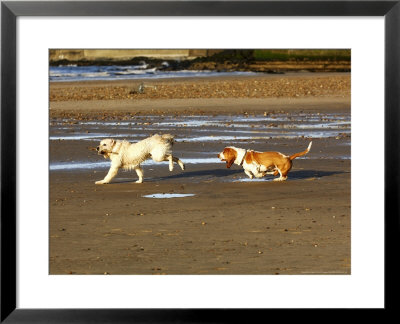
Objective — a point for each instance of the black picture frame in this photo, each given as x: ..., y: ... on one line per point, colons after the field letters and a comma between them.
x: 10, y: 10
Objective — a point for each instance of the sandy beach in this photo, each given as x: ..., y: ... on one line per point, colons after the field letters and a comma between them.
x: 227, y: 223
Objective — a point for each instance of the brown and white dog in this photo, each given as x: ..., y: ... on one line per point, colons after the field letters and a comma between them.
x: 258, y: 164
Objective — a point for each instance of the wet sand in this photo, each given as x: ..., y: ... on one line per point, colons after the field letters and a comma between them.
x: 230, y: 225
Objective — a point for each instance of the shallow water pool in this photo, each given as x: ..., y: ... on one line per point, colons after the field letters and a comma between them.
x: 167, y: 195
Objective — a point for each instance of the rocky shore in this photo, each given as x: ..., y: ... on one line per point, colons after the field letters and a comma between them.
x: 263, y: 86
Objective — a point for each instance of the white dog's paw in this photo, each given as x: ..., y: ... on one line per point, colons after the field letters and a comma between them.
x: 139, y: 181
x: 171, y: 167
x: 100, y: 182
x: 182, y: 166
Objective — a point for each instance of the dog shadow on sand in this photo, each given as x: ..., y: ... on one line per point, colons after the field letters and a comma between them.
x: 214, y: 173
x: 201, y: 174
x: 222, y: 173
x: 310, y: 174
x: 230, y: 174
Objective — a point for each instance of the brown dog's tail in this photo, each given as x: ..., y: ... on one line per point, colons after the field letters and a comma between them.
x: 296, y: 155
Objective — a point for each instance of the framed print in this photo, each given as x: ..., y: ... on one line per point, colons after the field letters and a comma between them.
x: 254, y: 131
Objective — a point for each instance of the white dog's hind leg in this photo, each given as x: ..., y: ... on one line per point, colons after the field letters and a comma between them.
x: 179, y: 162
x: 110, y: 175
x: 139, y: 172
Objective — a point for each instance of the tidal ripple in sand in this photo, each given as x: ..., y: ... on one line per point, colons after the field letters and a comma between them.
x: 208, y: 128
x: 82, y: 165
x: 200, y: 138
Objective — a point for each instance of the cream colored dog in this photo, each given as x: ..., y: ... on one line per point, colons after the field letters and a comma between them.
x: 129, y: 156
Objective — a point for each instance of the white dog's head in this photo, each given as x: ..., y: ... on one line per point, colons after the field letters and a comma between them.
x: 106, y: 146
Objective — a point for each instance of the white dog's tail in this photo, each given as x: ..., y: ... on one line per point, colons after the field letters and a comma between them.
x: 168, y: 138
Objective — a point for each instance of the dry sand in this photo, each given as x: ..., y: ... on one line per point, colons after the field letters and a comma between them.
x: 301, y: 226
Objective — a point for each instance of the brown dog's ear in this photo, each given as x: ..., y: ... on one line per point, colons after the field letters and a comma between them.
x: 229, y: 163
x: 230, y: 156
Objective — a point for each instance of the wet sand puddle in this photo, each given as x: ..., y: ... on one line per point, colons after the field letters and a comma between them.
x: 167, y: 195
x: 250, y: 180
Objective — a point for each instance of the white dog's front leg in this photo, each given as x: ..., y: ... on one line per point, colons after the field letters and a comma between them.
x: 110, y: 175
x: 173, y: 159
x: 139, y: 172
x: 171, y: 162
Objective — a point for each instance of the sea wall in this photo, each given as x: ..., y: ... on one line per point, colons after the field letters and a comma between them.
x: 126, y: 54
x: 258, y: 60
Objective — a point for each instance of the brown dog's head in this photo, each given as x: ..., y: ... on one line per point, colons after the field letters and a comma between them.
x: 228, y: 155
x: 106, y: 146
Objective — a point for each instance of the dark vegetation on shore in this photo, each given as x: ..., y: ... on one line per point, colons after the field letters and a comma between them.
x: 267, y: 61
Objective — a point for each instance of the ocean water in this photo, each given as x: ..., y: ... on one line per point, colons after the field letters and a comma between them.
x: 132, y: 72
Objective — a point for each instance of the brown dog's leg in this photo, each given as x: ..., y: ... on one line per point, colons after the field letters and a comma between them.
x: 283, y: 176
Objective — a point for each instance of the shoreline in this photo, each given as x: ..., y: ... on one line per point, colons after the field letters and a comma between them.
x: 105, y: 109
x: 206, y: 95
x: 206, y: 78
